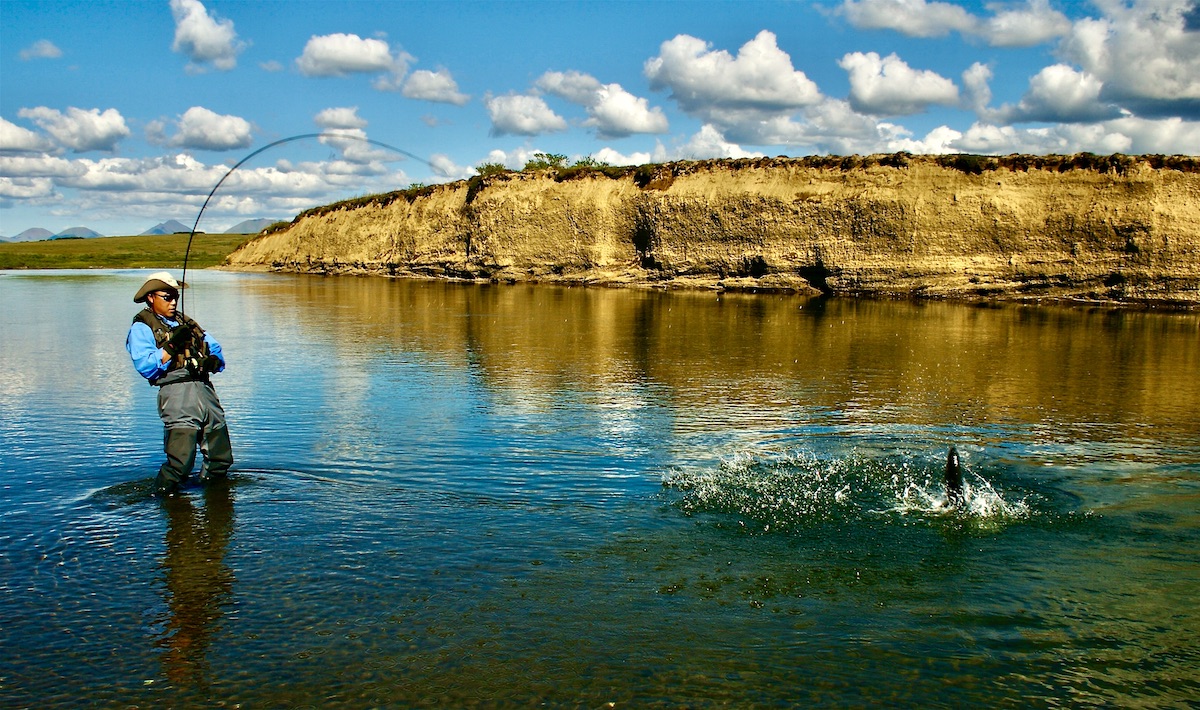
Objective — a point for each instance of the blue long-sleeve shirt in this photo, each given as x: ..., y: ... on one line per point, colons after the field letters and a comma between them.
x: 148, y: 357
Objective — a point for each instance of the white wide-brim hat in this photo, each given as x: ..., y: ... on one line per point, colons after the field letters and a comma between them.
x: 158, y: 281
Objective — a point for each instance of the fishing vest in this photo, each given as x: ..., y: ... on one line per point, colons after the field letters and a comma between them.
x: 185, y: 365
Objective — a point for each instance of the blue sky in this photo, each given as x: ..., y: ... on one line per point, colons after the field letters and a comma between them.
x: 118, y: 115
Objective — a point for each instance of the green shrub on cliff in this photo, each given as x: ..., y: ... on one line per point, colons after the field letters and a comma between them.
x: 1182, y: 163
x: 969, y: 164
x: 274, y: 227
x: 590, y: 166
x: 545, y: 161
x: 486, y: 169
x: 589, y: 162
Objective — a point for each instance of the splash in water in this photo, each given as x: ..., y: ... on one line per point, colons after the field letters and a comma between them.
x: 979, y: 500
x: 798, y: 488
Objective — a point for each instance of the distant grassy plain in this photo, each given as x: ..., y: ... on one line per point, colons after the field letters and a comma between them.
x: 120, y: 252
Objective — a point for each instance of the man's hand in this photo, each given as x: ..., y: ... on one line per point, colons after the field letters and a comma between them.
x: 211, y: 364
x: 180, y: 340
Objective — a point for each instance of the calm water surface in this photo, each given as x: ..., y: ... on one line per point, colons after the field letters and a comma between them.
x: 463, y: 495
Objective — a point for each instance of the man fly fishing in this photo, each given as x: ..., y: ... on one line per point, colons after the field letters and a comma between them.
x: 175, y: 354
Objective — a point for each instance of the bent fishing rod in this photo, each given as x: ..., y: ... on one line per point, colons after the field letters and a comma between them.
x: 192, y: 235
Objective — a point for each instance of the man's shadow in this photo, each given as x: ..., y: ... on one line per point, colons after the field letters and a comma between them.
x: 198, y: 583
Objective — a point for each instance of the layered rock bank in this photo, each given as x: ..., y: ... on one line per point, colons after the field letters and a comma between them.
x: 1112, y: 228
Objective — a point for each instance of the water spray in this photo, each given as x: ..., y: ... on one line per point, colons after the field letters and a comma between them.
x: 192, y: 235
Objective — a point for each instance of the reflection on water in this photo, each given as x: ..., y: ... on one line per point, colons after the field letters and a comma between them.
x: 910, y: 362
x: 473, y: 495
x: 198, y: 583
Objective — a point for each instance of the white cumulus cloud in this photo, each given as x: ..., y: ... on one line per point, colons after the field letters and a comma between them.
x: 709, y: 143
x: 750, y: 98
x: 447, y: 169
x: 833, y: 126
x: 343, y: 54
x: 699, y: 78
x: 78, y: 129
x: 340, y: 117
x: 41, y: 49
x: 151, y: 183
x: 24, y: 189
x: 1128, y: 134
x: 1059, y: 93
x: 574, y: 86
x: 915, y: 18
x: 17, y: 138
x: 612, y: 111
x: 1146, y: 54
x: 355, y: 147
x: 522, y: 114
x: 1024, y: 26
x: 38, y: 166
x: 938, y: 141
x: 889, y: 87
x: 1010, y: 25
x: 617, y: 113
x: 118, y: 187
x: 513, y: 160
x: 614, y: 157
x: 344, y: 130
x: 990, y: 139
x: 203, y: 129
x: 977, y: 92
x: 1167, y: 135
x: 436, y: 86
x: 204, y: 39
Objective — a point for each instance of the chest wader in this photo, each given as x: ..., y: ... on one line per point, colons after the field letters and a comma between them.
x: 190, y: 411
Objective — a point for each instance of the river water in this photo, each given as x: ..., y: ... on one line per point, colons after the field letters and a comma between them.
x: 472, y: 495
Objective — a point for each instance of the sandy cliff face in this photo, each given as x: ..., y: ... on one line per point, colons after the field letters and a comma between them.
x: 1124, y: 229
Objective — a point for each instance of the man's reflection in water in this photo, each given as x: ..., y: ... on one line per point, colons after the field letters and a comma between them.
x: 198, y: 582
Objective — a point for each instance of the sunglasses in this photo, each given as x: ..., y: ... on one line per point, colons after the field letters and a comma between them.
x: 167, y: 296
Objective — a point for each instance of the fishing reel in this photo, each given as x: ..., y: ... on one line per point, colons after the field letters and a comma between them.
x: 181, y: 345
x: 202, y: 367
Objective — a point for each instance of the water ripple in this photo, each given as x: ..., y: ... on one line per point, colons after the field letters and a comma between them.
x: 790, y: 490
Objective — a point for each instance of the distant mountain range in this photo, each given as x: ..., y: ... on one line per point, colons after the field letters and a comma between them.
x: 250, y: 226
x: 32, y: 235
x: 38, y: 234
x: 77, y: 233
x: 171, y: 226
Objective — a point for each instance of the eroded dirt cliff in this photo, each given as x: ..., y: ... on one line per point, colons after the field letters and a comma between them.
x: 1106, y: 228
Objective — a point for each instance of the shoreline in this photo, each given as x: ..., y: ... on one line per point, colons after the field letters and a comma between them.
x: 639, y: 279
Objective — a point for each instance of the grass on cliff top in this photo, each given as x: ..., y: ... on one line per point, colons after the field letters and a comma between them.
x: 661, y: 175
x: 145, y: 252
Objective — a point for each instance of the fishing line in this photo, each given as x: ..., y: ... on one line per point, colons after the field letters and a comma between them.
x: 187, y: 253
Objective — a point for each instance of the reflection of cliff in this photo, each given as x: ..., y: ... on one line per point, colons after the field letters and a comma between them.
x: 913, y: 362
x: 1113, y: 228
x: 198, y: 581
